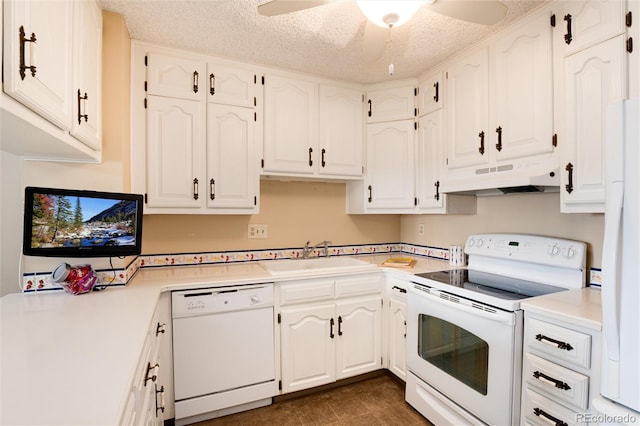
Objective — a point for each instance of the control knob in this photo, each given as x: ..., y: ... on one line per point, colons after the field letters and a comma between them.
x: 554, y: 250
x: 569, y: 252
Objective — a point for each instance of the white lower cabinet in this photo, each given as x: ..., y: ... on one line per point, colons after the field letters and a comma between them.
x: 146, y: 402
x: 329, y: 329
x: 396, y: 321
x: 560, y: 372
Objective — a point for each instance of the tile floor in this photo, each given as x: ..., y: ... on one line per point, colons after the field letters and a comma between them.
x: 374, y: 401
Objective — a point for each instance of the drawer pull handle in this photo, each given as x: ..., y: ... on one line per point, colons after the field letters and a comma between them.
x: 538, y: 412
x: 150, y: 369
x: 160, y: 328
x: 558, y: 383
x: 561, y: 345
x: 396, y: 288
x: 340, y: 326
x: 160, y: 407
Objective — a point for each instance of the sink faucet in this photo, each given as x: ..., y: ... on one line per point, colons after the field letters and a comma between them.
x: 307, y: 250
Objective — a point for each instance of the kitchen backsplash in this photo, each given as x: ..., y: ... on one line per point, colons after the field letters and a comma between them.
x: 41, y: 281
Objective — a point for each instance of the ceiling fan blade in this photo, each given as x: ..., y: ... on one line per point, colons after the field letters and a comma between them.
x: 484, y: 12
x: 281, y: 7
x: 375, y: 39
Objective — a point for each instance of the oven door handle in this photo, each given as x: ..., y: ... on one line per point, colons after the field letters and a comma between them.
x: 467, y: 306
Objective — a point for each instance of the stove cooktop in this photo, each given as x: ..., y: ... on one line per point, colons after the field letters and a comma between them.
x: 500, y: 291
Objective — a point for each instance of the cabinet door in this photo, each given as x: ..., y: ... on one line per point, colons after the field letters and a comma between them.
x: 467, y: 111
x: 340, y: 131
x: 87, y: 71
x: 307, y: 338
x: 390, y: 165
x: 523, y: 121
x: 175, y: 77
x: 430, y: 91
x: 230, y: 85
x: 46, y: 88
x: 589, y: 22
x: 231, y: 166
x: 398, y: 337
x: 290, y: 125
x: 390, y: 104
x: 594, y: 78
x: 358, y: 348
x: 429, y: 160
x: 175, y: 146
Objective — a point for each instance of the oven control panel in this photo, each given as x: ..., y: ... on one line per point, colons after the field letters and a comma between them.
x: 529, y: 248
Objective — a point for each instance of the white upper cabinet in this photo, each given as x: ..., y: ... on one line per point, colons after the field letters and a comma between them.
x: 232, y: 172
x: 593, y: 79
x: 175, y: 147
x: 191, y: 156
x: 230, y: 85
x: 430, y: 93
x: 312, y: 129
x: 391, y: 104
x: 467, y: 133
x: 175, y: 77
x: 429, y: 168
x: 87, y: 71
x: 390, y: 173
x: 594, y: 74
x: 588, y: 22
x: 500, y: 110
x: 523, y: 87
x: 290, y: 125
x: 51, y: 60
x: 340, y: 131
x: 37, y: 57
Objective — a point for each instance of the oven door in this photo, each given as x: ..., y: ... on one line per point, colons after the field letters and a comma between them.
x: 467, y: 351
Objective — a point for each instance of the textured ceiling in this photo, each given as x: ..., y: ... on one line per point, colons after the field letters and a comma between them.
x: 325, y: 41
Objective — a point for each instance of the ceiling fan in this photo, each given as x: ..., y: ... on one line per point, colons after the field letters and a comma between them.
x: 384, y: 15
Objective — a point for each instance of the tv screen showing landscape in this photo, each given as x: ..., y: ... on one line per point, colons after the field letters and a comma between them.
x: 75, y: 223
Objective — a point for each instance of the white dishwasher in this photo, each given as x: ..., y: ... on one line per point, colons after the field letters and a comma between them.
x: 223, y: 351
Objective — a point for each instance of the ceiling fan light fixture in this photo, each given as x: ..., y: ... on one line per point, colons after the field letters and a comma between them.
x: 388, y: 14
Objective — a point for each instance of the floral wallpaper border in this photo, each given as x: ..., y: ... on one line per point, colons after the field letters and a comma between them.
x: 41, y: 281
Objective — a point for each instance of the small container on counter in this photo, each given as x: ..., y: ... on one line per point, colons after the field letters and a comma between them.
x: 75, y: 279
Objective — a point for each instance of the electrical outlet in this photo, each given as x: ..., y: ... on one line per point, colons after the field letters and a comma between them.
x: 257, y: 231
x: 421, y: 229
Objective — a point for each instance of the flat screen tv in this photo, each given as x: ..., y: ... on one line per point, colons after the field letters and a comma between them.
x: 76, y: 223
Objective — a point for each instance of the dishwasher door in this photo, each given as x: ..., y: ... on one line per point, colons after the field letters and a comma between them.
x: 227, y: 344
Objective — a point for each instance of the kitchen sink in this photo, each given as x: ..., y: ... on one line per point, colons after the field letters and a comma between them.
x: 315, y: 265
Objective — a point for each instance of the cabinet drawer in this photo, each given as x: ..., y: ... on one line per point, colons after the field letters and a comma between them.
x: 356, y: 286
x: 540, y: 411
x: 306, y: 291
x: 559, y: 343
x: 557, y: 382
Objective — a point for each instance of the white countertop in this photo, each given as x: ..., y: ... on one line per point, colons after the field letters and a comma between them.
x: 70, y: 359
x: 580, y: 307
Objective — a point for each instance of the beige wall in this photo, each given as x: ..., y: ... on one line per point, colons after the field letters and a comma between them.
x: 518, y: 213
x: 295, y: 212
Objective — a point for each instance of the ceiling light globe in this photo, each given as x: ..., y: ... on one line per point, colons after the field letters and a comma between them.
x: 388, y: 14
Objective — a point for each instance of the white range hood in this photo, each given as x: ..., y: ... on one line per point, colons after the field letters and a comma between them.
x: 506, y: 177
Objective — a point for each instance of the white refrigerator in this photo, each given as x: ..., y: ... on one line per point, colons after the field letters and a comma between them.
x: 619, y: 402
